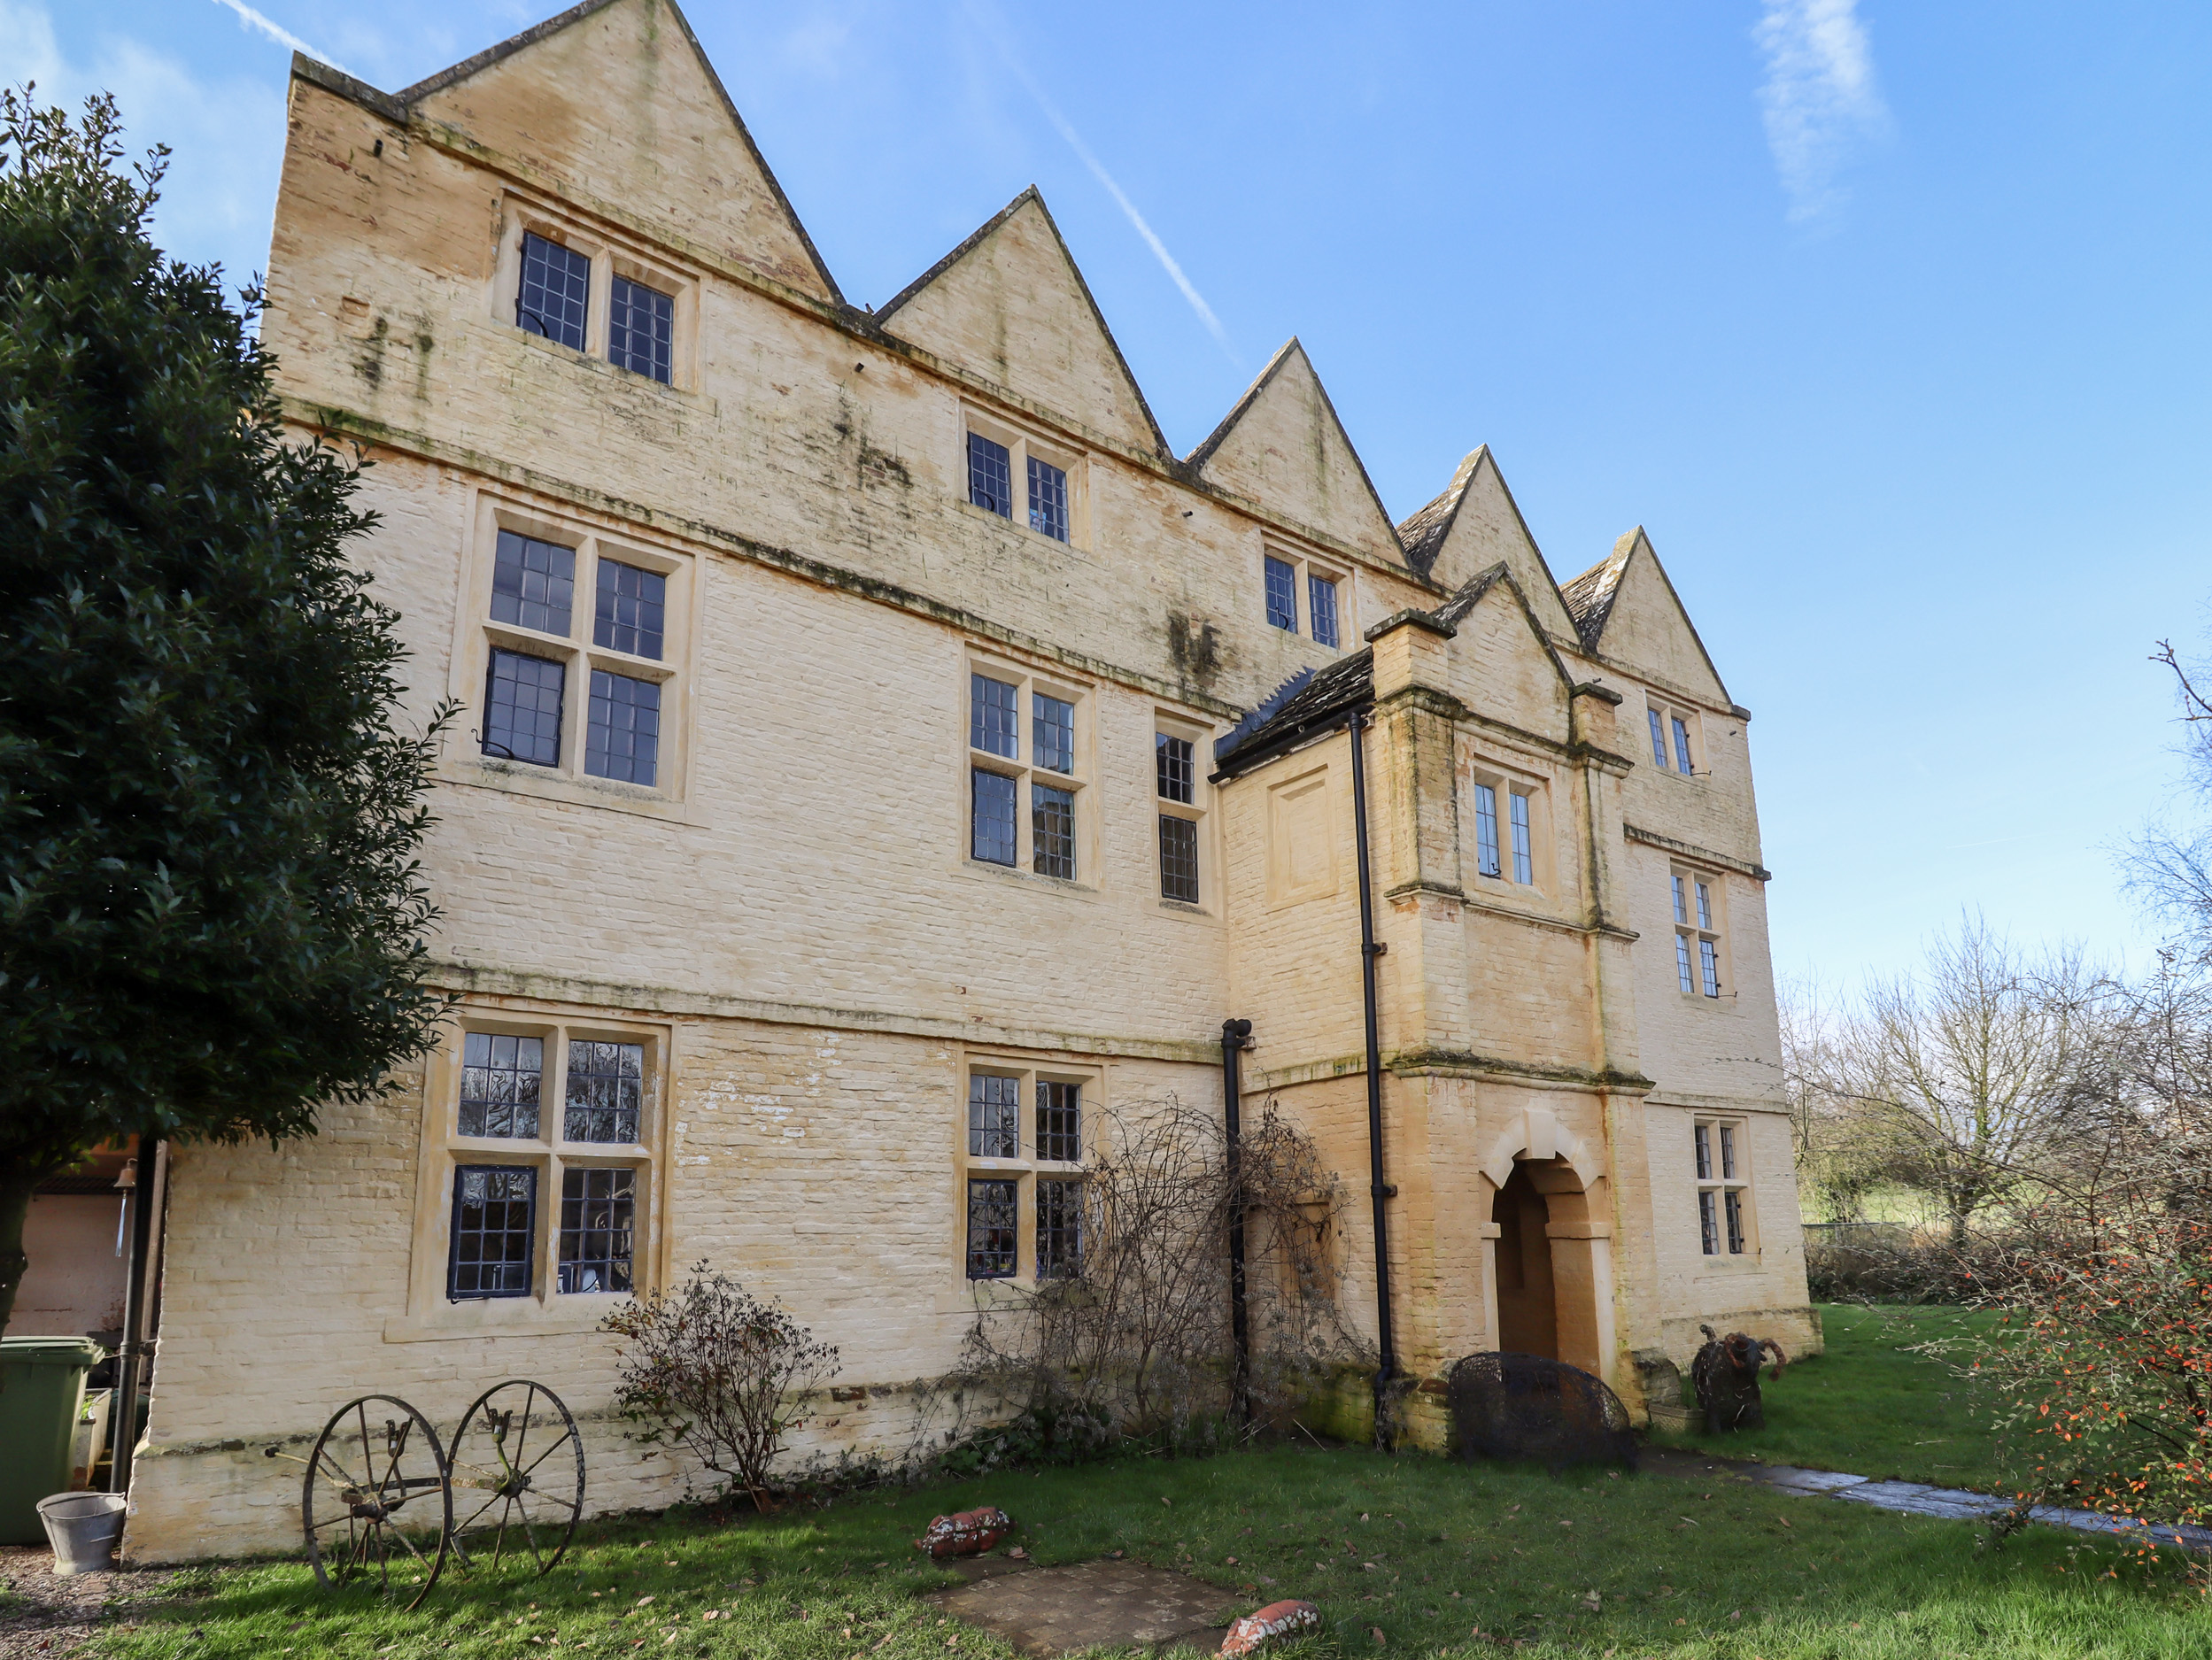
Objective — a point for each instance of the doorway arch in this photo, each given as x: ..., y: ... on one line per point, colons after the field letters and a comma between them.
x: 1549, y: 1273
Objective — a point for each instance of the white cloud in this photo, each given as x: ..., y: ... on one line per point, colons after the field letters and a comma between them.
x: 227, y: 136
x: 1820, y: 100
x: 277, y: 32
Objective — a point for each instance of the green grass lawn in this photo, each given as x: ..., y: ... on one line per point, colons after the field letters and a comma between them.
x: 1867, y: 1406
x: 1424, y: 1552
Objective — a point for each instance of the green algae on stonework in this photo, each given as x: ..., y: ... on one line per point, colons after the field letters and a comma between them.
x: 1436, y: 1557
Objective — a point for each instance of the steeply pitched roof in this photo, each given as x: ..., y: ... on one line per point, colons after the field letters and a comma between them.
x: 1305, y: 703
x: 778, y: 205
x: 1589, y: 596
x: 1422, y: 532
x: 1283, y: 444
x: 1013, y: 277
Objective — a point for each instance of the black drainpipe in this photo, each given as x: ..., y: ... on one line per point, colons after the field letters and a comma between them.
x: 1378, y: 1191
x: 130, y: 1380
x: 1236, y: 1036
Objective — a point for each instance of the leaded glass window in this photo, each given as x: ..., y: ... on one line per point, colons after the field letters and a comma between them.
x: 1681, y: 965
x: 1708, y: 1222
x: 1681, y: 747
x: 1658, y: 740
x: 1059, y: 1230
x: 597, y: 1226
x: 607, y: 1086
x: 1524, y: 865
x: 1059, y: 1121
x: 1705, y: 906
x: 1178, y: 859
x: 1727, y: 1152
x: 1703, y: 1136
x: 1486, y: 852
x: 1321, y: 607
x: 990, y: 475
x: 494, y: 1231
x: 1177, y: 767
x: 622, y: 738
x: 1732, y: 1201
x: 1047, y: 499
x: 991, y: 1228
x: 993, y: 725
x: 1709, y: 967
x: 1052, y: 733
x: 993, y: 840
x: 1052, y: 829
x: 1282, y: 594
x: 994, y: 1116
x: 641, y: 329
x: 501, y: 1077
x: 555, y: 292
x: 522, y: 714
x: 1682, y: 906
x: 632, y: 610
x: 533, y: 584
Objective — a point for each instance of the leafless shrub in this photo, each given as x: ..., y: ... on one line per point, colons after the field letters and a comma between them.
x: 715, y: 1371
x: 1135, y: 1343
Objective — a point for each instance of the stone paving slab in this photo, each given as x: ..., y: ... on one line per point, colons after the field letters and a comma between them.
x: 1051, y: 1611
x: 1912, y: 1498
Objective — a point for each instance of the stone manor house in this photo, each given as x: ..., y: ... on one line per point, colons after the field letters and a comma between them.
x: 880, y: 755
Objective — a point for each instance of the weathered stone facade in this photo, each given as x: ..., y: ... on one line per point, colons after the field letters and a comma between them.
x: 786, y: 921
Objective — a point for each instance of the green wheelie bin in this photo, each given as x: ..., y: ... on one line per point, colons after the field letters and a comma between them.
x: 42, y: 1387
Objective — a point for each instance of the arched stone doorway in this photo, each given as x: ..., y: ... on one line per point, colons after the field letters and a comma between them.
x: 1549, y: 1276
x: 1527, y: 1310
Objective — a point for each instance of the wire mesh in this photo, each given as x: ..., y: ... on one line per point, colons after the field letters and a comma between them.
x: 1525, y: 1407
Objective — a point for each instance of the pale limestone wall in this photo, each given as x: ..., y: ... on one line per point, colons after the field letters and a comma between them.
x: 795, y: 914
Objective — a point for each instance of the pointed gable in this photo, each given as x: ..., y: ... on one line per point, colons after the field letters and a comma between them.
x: 1476, y: 524
x: 1009, y: 305
x: 1283, y: 447
x: 616, y: 97
x: 1504, y: 663
x: 1629, y: 612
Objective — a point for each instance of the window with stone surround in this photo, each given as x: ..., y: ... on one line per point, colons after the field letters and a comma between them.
x: 1304, y: 595
x: 1029, y: 762
x: 1024, y: 1136
x: 1511, y: 827
x: 1023, y: 477
x: 543, y: 1131
x: 1677, y: 739
x: 1182, y: 798
x: 569, y: 281
x: 1720, y: 1150
x: 573, y: 654
x: 1700, y: 933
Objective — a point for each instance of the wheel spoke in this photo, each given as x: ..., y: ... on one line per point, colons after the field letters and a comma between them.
x: 460, y: 1526
x: 524, y: 1433
x: 565, y: 1439
x: 530, y: 1534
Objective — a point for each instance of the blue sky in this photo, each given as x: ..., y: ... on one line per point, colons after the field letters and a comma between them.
x: 1888, y: 321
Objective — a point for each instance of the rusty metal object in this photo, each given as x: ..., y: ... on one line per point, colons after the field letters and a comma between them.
x: 967, y: 1533
x: 1271, y: 1623
x: 517, y: 1465
x: 1725, y: 1375
x: 376, y: 1502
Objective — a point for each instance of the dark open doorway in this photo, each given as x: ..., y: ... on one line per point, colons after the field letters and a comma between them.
x: 1528, y: 1307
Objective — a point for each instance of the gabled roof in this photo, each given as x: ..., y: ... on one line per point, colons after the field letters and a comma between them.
x: 1589, y: 596
x: 1017, y: 262
x: 1471, y: 526
x: 1284, y: 444
x: 1646, y: 617
x: 754, y: 193
x: 1304, y: 704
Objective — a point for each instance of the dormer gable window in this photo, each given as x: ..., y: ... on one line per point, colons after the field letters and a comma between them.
x: 1030, y: 480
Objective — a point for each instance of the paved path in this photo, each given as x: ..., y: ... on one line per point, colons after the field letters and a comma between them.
x: 1909, y: 1498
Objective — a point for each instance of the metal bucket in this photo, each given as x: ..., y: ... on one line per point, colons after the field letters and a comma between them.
x: 83, y: 1529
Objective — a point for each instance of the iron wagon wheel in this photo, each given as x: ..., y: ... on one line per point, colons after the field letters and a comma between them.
x: 518, y: 1463
x: 376, y: 1503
